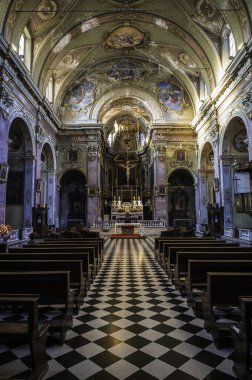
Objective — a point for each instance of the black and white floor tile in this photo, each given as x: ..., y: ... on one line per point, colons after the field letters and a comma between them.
x: 133, y: 325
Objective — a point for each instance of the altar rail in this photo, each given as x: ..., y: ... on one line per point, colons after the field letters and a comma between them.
x: 144, y: 223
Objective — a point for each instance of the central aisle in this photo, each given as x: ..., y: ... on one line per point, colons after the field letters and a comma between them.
x: 134, y: 325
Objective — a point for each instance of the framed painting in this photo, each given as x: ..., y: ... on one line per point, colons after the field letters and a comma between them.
x: 4, y: 168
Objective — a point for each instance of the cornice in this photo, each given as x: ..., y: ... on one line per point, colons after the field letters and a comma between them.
x: 233, y: 75
x: 18, y: 73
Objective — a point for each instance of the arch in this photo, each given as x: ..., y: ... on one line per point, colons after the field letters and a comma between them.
x: 51, y: 150
x: 148, y: 99
x: 20, y: 184
x: 181, y: 198
x: 26, y: 123
x: 73, y: 198
x: 236, y: 114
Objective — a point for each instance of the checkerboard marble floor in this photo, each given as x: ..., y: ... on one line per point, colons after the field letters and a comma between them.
x: 133, y: 325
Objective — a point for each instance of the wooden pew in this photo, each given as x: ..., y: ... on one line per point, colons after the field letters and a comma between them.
x: 57, y: 254
x: 34, y: 332
x: 161, y: 240
x: 80, y: 240
x: 171, y: 258
x: 196, y: 280
x: 182, y: 258
x: 221, y: 301
x: 54, y: 291
x: 73, y: 266
x: 242, y: 338
x: 72, y: 245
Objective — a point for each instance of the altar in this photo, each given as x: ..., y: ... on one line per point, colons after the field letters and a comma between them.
x: 127, y: 228
x: 133, y: 209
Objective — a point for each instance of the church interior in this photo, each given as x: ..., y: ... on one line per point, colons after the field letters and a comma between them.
x: 126, y: 132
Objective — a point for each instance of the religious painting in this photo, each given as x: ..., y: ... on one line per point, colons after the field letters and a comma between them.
x: 80, y: 97
x: 125, y: 37
x: 180, y: 155
x: 4, y: 168
x: 125, y: 70
x: 240, y: 141
x: 171, y: 95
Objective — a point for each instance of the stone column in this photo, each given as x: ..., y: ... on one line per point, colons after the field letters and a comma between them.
x: 202, y: 198
x: 93, y: 209
x: 29, y: 180
x: 3, y: 158
x: 227, y: 190
x: 51, y: 193
x: 6, y: 105
x: 160, y: 182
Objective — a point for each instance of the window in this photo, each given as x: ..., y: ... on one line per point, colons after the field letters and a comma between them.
x: 232, y: 49
x: 21, y: 47
x: 24, y: 48
x: 49, y: 90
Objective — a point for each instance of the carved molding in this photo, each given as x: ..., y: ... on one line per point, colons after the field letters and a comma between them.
x: 177, y: 164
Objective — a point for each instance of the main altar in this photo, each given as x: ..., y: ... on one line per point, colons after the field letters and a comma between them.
x: 127, y: 211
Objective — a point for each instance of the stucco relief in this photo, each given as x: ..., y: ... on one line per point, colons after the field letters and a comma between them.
x: 72, y: 157
x: 6, y: 101
x: 93, y: 152
x: 160, y: 151
x: 47, y: 9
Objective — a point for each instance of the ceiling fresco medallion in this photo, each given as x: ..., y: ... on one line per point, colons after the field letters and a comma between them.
x: 125, y: 70
x: 170, y: 95
x: 47, y: 9
x: 125, y: 37
x: 127, y: 3
x: 79, y: 97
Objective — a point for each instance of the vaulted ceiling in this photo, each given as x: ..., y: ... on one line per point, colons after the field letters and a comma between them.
x: 112, y: 58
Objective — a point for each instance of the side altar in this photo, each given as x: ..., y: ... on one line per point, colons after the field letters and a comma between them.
x: 122, y: 210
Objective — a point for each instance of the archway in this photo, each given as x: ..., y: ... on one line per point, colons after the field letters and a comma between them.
x: 20, y: 183
x: 73, y: 198
x: 236, y: 175
x: 181, y: 198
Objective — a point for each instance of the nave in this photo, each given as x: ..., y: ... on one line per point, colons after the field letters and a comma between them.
x: 133, y: 325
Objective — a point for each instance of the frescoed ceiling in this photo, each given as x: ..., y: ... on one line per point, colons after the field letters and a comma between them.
x: 143, y: 58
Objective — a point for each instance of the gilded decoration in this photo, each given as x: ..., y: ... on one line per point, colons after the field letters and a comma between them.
x: 79, y: 97
x: 125, y: 70
x: 170, y: 95
x: 47, y: 9
x: 125, y: 37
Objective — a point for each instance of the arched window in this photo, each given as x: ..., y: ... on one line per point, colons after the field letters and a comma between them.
x: 49, y: 90
x: 24, y: 48
x: 232, y: 48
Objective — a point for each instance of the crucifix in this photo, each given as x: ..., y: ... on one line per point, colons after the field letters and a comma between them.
x: 128, y: 166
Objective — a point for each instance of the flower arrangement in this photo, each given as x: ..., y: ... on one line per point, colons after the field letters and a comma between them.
x: 5, y: 229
